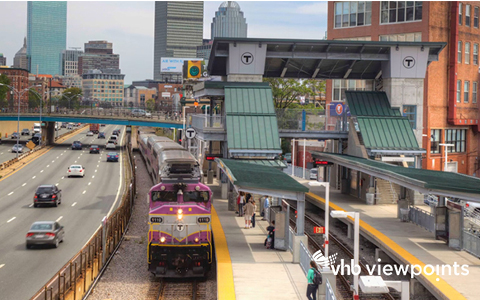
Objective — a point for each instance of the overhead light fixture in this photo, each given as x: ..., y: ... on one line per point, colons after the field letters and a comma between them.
x: 397, y: 48
x: 421, y: 49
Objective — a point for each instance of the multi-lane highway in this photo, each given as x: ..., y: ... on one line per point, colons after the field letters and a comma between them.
x: 85, y: 201
x: 7, y: 144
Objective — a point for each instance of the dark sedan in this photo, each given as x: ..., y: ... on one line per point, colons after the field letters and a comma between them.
x: 47, y: 194
x: 112, y: 156
x: 25, y: 131
x: 14, y: 135
x: 101, y: 135
x: 45, y: 233
x: 77, y: 145
x: 94, y: 149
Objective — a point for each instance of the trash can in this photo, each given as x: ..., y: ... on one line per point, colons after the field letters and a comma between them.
x: 404, y: 214
x: 370, y: 198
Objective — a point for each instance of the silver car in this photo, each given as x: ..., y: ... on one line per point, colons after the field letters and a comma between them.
x: 17, y: 148
x: 45, y: 233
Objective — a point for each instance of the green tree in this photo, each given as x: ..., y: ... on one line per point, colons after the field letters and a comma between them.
x: 287, y: 91
x: 71, y: 98
x: 4, y: 91
x: 150, y: 103
x: 33, y: 99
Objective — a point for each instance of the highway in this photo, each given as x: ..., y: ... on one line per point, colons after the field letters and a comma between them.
x: 7, y: 143
x: 85, y: 201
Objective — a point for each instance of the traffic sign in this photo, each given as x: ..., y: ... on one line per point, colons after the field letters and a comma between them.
x: 318, y: 229
x: 190, y: 133
x: 30, y: 145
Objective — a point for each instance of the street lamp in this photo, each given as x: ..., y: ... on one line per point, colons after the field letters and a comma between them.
x: 41, y: 102
x: 69, y: 98
x: 19, y: 97
x: 446, y: 154
x: 327, y: 208
x: 356, y: 251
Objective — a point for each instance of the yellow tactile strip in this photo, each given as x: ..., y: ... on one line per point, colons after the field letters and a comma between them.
x: 441, y: 285
x: 225, y: 285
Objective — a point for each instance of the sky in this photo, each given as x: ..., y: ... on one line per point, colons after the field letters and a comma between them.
x: 130, y: 26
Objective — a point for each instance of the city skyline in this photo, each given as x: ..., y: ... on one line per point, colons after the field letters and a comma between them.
x: 135, y: 20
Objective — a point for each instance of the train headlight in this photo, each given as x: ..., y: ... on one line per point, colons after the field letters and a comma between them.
x: 196, y: 240
x: 197, y: 188
x: 162, y: 239
x: 162, y: 187
x: 180, y: 211
x: 179, y: 216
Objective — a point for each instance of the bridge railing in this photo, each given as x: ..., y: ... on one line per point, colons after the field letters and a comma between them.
x: 307, y: 120
x: 205, y: 121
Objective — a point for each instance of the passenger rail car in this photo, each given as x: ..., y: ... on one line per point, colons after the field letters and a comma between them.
x: 180, y: 235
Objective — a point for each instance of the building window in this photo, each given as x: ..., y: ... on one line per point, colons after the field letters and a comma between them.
x: 475, y: 54
x: 474, y: 92
x: 460, y: 17
x: 354, y: 13
x: 402, y: 37
x: 467, y: 15
x: 410, y: 111
x: 475, y: 17
x: 435, y: 140
x: 457, y: 138
x: 466, y: 88
x: 459, y: 90
x: 400, y: 11
x: 459, y: 50
x: 467, y: 53
x: 340, y: 86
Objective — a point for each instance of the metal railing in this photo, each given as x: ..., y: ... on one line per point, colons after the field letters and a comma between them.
x: 291, y: 234
x: 78, y: 274
x: 305, y: 258
x: 297, y: 172
x: 205, y: 121
x: 471, y: 243
x: 329, y: 293
x: 422, y: 218
x: 294, y: 119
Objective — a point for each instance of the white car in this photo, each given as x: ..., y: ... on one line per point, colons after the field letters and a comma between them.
x: 76, y: 170
x: 148, y: 115
x: 90, y: 133
x: 110, y: 145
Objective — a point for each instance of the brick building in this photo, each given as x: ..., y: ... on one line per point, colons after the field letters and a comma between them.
x: 450, y: 108
x: 18, y: 80
x: 165, y: 93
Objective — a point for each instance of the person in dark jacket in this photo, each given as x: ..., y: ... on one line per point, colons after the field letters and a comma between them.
x: 271, y: 233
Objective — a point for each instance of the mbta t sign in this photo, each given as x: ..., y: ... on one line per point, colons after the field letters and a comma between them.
x: 190, y: 133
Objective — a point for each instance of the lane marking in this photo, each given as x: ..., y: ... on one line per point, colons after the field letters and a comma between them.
x: 53, y: 160
x: 41, y: 171
x: 56, y: 184
x: 24, y: 184
x: 84, y: 192
x: 10, y: 193
x: 74, y: 203
x: 89, y: 183
x: 11, y: 219
x: 75, y: 161
x: 2, y: 265
x: 95, y: 171
x: 34, y: 177
x: 57, y: 157
x: 93, y: 176
x: 63, y: 177
x: 30, y: 205
x: 61, y: 217
x: 48, y: 166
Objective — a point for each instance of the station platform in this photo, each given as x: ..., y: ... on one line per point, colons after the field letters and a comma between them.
x: 410, y: 243
x: 245, y: 268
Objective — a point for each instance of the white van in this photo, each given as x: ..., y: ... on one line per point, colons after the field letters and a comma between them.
x: 37, y: 128
x: 314, y: 174
x: 113, y: 138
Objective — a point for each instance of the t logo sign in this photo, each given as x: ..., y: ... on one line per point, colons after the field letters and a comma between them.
x: 247, y: 58
x: 409, y: 62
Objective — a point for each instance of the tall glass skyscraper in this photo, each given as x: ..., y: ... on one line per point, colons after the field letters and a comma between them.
x: 46, y: 35
x: 229, y: 21
x: 178, y: 30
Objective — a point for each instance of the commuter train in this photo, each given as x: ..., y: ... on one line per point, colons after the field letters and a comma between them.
x: 179, y: 219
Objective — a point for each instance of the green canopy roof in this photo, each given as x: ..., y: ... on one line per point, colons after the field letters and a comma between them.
x: 255, y: 176
x: 364, y: 103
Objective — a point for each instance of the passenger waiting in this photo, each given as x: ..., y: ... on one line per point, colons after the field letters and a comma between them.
x: 270, y: 240
x: 248, y: 210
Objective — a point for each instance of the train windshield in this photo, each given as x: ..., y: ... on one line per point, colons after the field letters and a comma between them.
x: 195, y: 196
x: 164, y: 196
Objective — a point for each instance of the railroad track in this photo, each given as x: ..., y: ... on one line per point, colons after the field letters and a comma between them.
x: 344, y: 288
x: 173, y: 289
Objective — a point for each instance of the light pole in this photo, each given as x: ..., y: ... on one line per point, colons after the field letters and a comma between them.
x: 69, y: 98
x: 446, y: 154
x: 41, y: 103
x: 19, y: 97
x: 356, y: 249
x: 327, y: 209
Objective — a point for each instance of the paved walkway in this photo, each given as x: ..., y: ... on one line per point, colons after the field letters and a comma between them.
x: 411, y: 243
x: 258, y: 273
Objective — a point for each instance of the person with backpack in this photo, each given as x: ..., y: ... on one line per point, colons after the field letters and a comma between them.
x: 314, y: 279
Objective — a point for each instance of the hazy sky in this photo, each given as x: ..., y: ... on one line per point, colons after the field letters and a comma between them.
x: 130, y: 26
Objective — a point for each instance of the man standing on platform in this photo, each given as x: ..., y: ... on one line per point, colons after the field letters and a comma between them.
x: 266, y: 210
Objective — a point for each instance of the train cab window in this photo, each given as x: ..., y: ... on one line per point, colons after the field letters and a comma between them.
x: 164, y: 196
x: 195, y: 196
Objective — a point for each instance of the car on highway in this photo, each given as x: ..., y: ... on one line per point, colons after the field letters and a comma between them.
x: 37, y: 138
x: 94, y: 149
x: 110, y: 145
x: 14, y: 135
x: 76, y: 170
x: 47, y: 194
x: 45, y: 233
x: 102, y: 125
x: 69, y: 126
x: 77, y: 145
x: 113, y: 139
x: 116, y: 132
x: 138, y: 113
x: 90, y: 133
x: 112, y: 156
x: 17, y: 148
x: 25, y: 131
x: 64, y: 125
x: 101, y: 135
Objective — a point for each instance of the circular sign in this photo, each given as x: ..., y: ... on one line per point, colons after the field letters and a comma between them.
x: 247, y: 58
x: 194, y: 71
x: 339, y: 109
x: 409, y: 62
x: 190, y: 133
x: 180, y: 226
